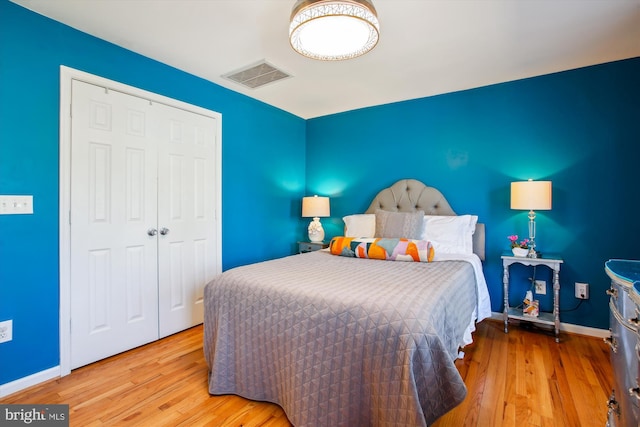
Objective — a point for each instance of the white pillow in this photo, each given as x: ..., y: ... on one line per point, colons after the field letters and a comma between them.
x: 362, y: 225
x: 450, y: 234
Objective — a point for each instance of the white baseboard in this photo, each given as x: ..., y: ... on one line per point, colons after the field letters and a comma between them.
x: 28, y: 381
x: 571, y: 328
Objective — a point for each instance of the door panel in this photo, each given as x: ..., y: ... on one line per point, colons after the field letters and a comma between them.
x: 99, y: 283
x: 187, y: 209
x: 113, y: 270
x: 135, y: 295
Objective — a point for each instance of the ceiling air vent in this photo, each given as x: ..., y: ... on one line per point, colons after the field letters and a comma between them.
x: 256, y: 75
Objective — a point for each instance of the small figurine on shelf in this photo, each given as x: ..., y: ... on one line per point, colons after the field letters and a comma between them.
x: 531, y: 306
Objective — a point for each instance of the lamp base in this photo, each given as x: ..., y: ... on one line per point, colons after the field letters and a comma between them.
x: 532, y: 235
x: 316, y: 232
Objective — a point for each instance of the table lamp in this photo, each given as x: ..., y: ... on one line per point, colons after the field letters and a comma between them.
x: 531, y: 195
x: 315, y: 207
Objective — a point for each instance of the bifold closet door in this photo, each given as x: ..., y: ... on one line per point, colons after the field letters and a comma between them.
x: 114, y: 274
x: 143, y: 242
x: 186, y: 215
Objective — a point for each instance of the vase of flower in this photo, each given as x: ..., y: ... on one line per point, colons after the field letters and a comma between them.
x: 520, y: 251
x: 519, y: 248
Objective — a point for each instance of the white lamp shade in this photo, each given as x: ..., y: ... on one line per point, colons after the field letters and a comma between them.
x: 531, y: 195
x: 315, y: 206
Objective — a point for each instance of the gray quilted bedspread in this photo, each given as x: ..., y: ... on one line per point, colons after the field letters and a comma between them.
x: 339, y: 341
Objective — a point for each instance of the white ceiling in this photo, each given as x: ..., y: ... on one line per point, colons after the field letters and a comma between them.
x: 427, y: 47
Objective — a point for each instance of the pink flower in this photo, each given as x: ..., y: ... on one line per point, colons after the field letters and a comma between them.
x: 524, y: 243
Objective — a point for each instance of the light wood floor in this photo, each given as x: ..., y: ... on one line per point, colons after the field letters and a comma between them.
x: 521, y: 379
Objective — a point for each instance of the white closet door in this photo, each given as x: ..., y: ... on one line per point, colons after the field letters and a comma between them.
x: 113, y: 204
x: 186, y: 215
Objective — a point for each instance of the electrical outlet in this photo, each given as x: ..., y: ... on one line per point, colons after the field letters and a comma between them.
x: 6, y: 331
x: 541, y: 287
x: 582, y: 290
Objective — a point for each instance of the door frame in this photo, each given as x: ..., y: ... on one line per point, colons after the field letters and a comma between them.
x: 67, y: 75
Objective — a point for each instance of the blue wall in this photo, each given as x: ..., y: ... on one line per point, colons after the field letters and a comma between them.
x: 580, y: 129
x: 262, y: 165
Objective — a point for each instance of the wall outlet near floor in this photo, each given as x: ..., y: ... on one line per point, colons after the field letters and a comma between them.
x: 582, y: 290
x: 541, y: 287
x: 6, y: 331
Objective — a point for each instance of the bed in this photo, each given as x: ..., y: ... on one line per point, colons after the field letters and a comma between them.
x: 349, y: 341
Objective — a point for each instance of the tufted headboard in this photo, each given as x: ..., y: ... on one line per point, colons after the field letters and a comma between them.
x: 410, y: 195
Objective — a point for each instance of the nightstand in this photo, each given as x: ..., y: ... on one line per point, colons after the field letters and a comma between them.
x: 551, y: 261
x: 311, y: 246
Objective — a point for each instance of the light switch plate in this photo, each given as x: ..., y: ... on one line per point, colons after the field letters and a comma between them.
x: 16, y: 205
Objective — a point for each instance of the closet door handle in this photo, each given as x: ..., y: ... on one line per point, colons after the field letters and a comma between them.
x: 164, y: 231
x: 152, y: 232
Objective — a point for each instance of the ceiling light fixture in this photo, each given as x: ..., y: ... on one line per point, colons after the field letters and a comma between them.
x: 332, y: 30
